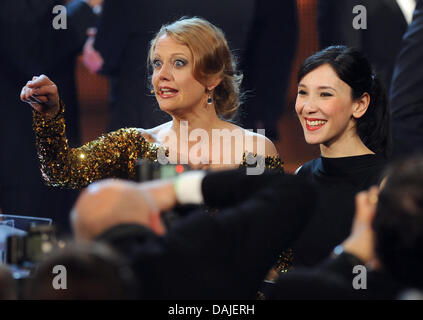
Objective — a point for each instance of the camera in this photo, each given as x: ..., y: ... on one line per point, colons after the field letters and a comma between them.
x: 147, y: 170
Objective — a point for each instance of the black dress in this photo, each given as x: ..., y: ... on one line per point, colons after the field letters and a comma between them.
x: 337, y: 181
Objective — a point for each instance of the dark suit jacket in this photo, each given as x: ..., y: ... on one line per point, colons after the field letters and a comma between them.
x: 381, y: 41
x: 406, y: 96
x: 29, y: 45
x: 272, y: 43
x: 222, y: 257
x: 123, y: 40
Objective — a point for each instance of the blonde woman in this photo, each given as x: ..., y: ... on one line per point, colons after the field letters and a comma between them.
x: 194, y: 80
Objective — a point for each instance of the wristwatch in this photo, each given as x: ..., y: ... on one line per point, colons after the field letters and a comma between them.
x: 339, y: 252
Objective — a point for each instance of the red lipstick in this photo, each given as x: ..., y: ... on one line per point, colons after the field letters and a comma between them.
x: 314, y: 127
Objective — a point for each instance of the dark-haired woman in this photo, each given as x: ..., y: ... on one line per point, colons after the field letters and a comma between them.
x: 341, y: 107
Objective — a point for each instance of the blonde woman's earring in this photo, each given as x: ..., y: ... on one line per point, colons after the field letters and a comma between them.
x: 209, y: 99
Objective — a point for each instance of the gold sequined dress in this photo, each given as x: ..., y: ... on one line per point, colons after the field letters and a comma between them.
x: 113, y: 155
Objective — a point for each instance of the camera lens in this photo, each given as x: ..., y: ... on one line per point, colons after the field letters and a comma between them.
x: 40, y: 242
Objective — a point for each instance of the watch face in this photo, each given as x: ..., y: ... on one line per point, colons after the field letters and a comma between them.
x: 338, y: 250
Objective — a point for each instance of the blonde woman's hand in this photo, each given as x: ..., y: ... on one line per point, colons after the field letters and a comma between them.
x: 42, y: 94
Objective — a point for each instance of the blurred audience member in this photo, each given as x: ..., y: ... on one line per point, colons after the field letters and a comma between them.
x: 398, y: 224
x: 200, y: 257
x: 31, y: 45
x: 111, y: 202
x: 406, y: 96
x: 87, y: 272
x: 386, y: 238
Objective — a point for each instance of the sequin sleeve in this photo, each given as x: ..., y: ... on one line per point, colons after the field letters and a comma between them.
x: 113, y: 155
x: 270, y: 162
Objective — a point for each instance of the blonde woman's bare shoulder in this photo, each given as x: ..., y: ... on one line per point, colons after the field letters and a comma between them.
x: 260, y: 144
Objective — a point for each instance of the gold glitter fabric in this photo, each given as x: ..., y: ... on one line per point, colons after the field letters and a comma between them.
x: 285, y: 261
x: 283, y: 265
x: 270, y: 162
x: 113, y: 155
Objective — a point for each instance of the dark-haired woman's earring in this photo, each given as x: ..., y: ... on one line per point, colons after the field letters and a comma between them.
x: 151, y: 91
x: 209, y: 99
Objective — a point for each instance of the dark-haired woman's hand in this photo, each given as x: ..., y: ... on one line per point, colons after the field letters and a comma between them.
x: 42, y: 94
